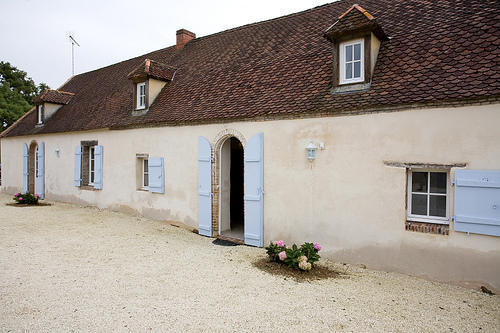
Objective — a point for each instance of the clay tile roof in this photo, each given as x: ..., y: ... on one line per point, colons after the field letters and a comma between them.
x: 440, y: 53
x: 54, y: 96
x: 355, y: 19
x: 153, y: 69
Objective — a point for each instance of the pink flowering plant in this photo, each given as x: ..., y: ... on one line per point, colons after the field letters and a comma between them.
x: 26, y: 198
x: 302, y: 257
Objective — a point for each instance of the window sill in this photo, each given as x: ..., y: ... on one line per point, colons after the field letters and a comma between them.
x: 140, y: 112
x: 143, y: 189
x: 431, y: 220
x: 88, y: 188
x: 344, y: 88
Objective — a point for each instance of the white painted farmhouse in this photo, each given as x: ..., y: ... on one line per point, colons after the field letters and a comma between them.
x: 373, y: 129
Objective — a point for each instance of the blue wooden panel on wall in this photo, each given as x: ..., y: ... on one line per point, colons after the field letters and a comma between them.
x: 98, y: 167
x: 25, y: 168
x: 40, y: 174
x: 77, y: 177
x: 156, y: 179
x: 204, y: 187
x: 254, y: 190
x: 477, y: 201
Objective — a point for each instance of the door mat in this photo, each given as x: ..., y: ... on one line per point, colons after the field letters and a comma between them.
x: 224, y: 242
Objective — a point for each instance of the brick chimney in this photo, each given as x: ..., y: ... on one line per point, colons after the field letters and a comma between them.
x: 183, y: 36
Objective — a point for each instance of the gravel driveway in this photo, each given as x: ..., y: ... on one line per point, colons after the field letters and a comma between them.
x: 68, y: 268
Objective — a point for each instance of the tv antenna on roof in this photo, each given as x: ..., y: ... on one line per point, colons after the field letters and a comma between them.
x: 73, y: 43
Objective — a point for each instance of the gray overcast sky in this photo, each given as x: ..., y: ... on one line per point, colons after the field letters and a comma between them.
x: 33, y: 33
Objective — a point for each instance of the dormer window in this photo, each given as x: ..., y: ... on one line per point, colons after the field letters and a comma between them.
x: 148, y: 80
x: 141, y: 95
x: 351, y: 62
x: 47, y: 104
x: 356, y: 37
x: 39, y: 114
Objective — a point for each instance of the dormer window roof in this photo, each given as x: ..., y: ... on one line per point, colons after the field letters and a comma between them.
x: 54, y: 96
x: 354, y: 21
x: 152, y: 69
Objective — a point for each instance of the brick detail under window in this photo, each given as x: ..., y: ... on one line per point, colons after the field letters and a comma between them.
x: 430, y: 228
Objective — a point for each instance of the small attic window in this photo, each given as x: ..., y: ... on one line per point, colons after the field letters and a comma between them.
x: 39, y: 110
x: 351, y: 63
x: 141, y: 95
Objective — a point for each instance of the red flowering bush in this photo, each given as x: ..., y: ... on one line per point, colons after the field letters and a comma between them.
x: 302, y: 257
x: 26, y: 198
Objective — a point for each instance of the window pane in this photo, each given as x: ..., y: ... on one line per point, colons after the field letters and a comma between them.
x: 438, y: 182
x: 357, y: 69
x: 357, y: 52
x: 437, y: 205
x: 419, y: 182
x: 348, y: 71
x: 419, y: 204
x: 348, y: 53
x: 145, y: 176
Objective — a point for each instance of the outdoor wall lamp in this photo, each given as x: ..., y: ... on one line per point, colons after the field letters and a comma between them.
x: 311, y: 151
x: 57, y: 152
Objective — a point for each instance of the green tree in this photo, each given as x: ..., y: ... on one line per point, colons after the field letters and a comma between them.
x: 16, y: 93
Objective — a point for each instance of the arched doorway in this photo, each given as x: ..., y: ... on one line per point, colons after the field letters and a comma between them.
x: 32, y: 166
x: 231, y: 182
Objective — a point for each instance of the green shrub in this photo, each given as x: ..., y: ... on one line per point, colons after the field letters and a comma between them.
x: 302, y: 257
x: 26, y: 198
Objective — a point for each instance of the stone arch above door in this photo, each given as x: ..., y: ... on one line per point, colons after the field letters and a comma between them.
x: 221, y: 137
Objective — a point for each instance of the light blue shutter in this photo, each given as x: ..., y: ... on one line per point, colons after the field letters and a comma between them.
x: 25, y: 168
x: 156, y: 175
x: 77, y: 178
x: 477, y: 201
x: 254, y: 182
x: 40, y: 179
x: 98, y: 167
x: 204, y: 187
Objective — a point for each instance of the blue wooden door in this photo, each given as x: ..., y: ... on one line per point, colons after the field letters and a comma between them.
x: 254, y: 190
x: 40, y: 171
x: 477, y: 201
x: 204, y: 187
x: 25, y: 168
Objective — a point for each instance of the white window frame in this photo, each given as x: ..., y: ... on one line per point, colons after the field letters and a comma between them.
x: 91, y: 169
x: 141, y: 98
x: 428, y: 218
x: 145, y: 172
x: 39, y: 114
x: 342, y: 62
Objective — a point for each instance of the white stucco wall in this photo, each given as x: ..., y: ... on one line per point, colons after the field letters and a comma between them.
x: 155, y: 86
x: 347, y: 199
x: 49, y: 110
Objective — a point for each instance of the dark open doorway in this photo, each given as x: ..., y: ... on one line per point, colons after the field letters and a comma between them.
x: 232, y: 206
x: 32, y: 166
